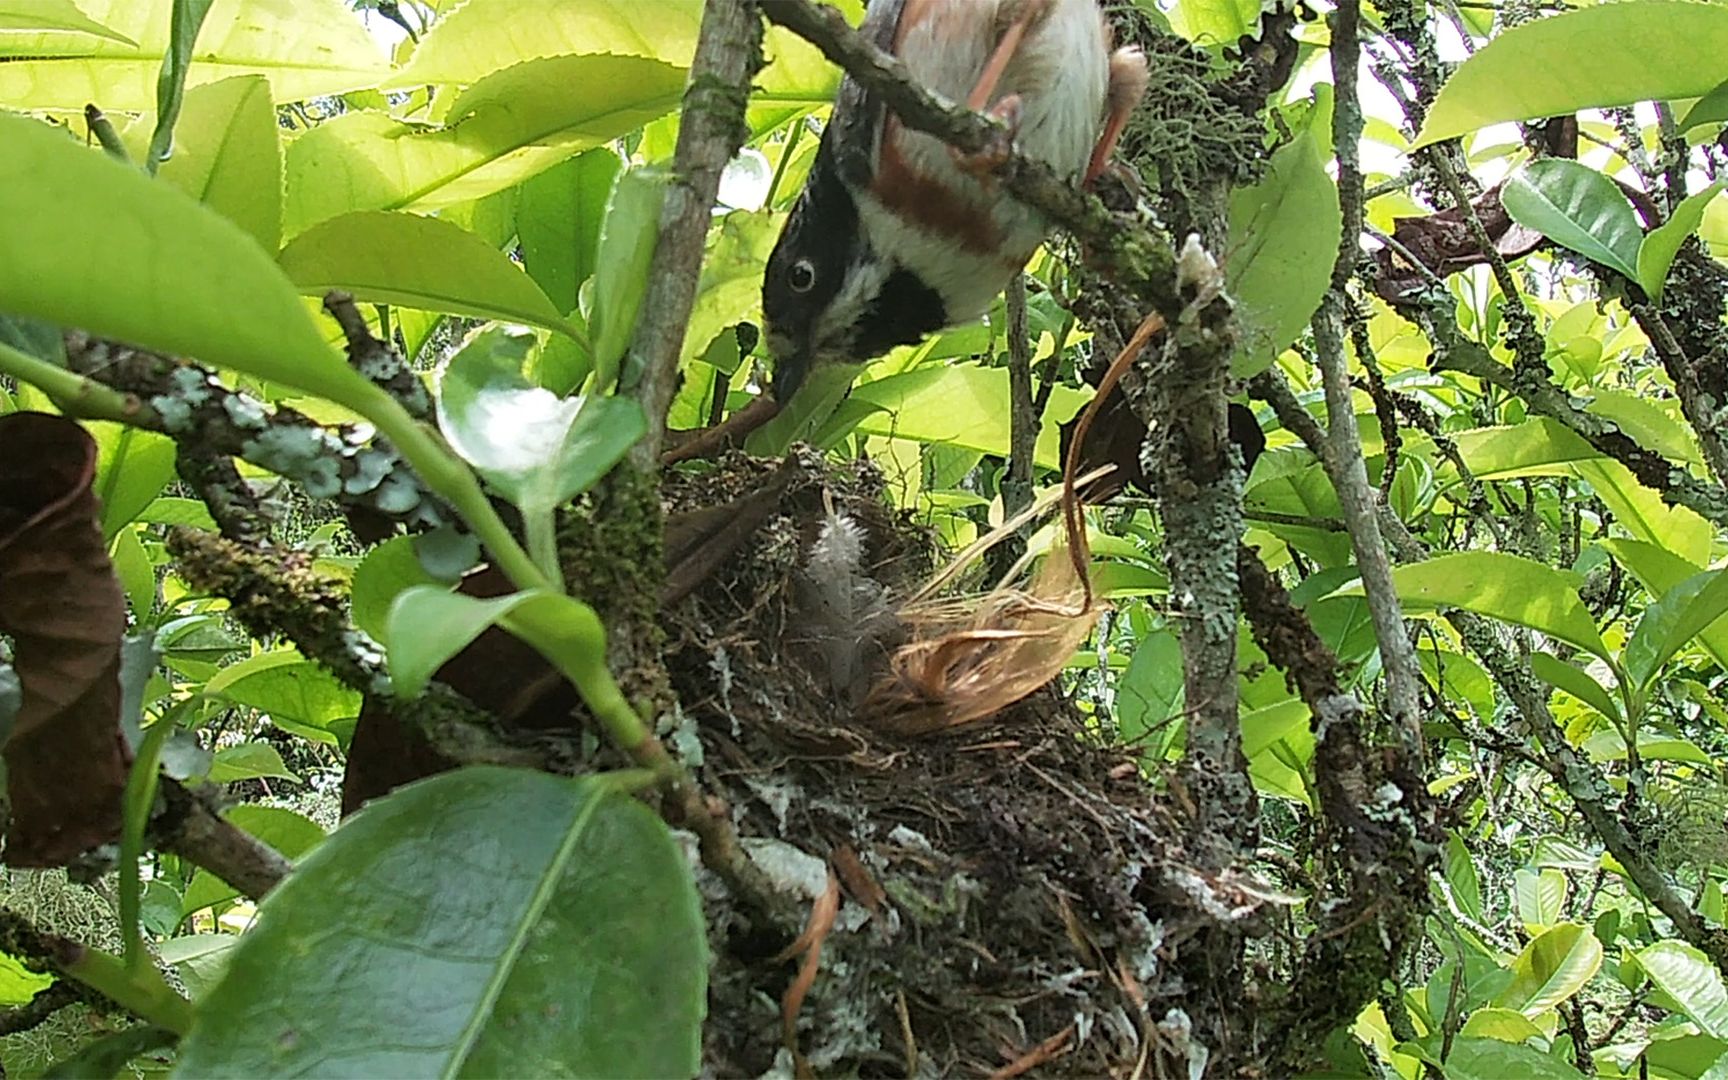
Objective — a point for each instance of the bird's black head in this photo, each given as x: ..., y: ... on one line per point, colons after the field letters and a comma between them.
x: 828, y: 295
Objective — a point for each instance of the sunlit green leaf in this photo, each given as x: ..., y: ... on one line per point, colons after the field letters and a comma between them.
x: 1657, y: 253
x: 1505, y: 587
x: 227, y: 155
x: 54, y: 15
x: 1283, y: 241
x: 472, y: 40
x: 1640, y: 51
x: 1575, y: 681
x: 418, y: 262
x: 627, y: 238
x: 93, y: 243
x: 558, y: 223
x: 1712, y: 108
x: 501, y: 131
x: 306, y: 48
x: 1552, y: 968
x: 1539, y: 896
x: 1672, y: 621
x: 1688, y: 977
x: 1494, y: 1058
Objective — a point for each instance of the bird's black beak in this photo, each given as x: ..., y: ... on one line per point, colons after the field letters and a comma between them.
x: 790, y: 368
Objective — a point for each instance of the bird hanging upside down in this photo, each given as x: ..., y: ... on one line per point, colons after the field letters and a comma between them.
x: 896, y: 235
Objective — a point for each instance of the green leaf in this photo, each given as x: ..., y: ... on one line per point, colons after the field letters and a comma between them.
x: 475, y: 39
x: 309, y: 48
x: 108, y: 1055
x: 1575, y: 681
x: 960, y: 405
x: 539, y: 450
x: 730, y: 291
x: 581, y: 939
x: 1149, y: 694
x: 1504, y: 1025
x: 1648, y: 423
x: 1495, y: 1059
x: 1283, y: 241
x: 1712, y: 108
x: 627, y: 239
x: 18, y: 984
x: 558, y: 219
x: 1533, y: 448
x: 1552, y: 968
x: 384, y: 573
x: 1652, y: 746
x: 1216, y: 22
x: 501, y: 131
x: 248, y: 761
x: 299, y: 695
x: 288, y: 833
x: 1505, y: 587
x: 419, y: 262
x: 1639, y: 51
x: 1658, y: 570
x: 227, y: 155
x: 188, y: 17
x: 54, y: 15
x: 92, y: 243
x: 1539, y: 896
x: 1461, y: 876
x: 132, y: 468
x: 1657, y: 252
x: 1641, y: 511
x: 199, y: 959
x: 1688, y: 977
x: 1578, y: 208
x: 1667, y: 625
x: 133, y: 568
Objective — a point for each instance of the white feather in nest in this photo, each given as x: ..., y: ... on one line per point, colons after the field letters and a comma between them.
x: 845, y: 611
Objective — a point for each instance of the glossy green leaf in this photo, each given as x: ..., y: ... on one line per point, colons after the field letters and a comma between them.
x: 1652, y: 746
x: 248, y: 761
x: 54, y: 15
x: 1535, y: 447
x: 428, y: 625
x: 1657, y: 253
x: 1575, y: 681
x: 558, y: 221
x: 627, y: 239
x: 418, y: 262
x: 1505, y: 587
x: 538, y: 449
x: 1552, y: 968
x: 1639, y: 51
x: 135, y: 572
x: 1283, y: 241
x: 581, y: 943
x: 1712, y: 108
x: 501, y: 131
x: 1641, y: 511
x: 1539, y: 897
x: 1497, y: 1059
x: 1688, y: 977
x: 306, y: 48
x: 384, y: 573
x: 1578, y: 208
x: 472, y: 40
x: 93, y: 243
x: 227, y: 155
x: 1679, y: 616
x: 287, y: 833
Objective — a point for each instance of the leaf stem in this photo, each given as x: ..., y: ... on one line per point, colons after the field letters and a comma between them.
x: 540, y: 525
x: 143, y: 992
x: 75, y: 394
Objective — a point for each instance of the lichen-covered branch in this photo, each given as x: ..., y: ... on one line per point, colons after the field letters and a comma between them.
x: 190, y: 828
x: 711, y: 128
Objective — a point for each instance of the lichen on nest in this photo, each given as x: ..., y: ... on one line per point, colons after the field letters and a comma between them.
x: 1007, y: 886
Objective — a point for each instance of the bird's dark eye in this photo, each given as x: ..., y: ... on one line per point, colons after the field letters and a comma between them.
x: 803, y: 276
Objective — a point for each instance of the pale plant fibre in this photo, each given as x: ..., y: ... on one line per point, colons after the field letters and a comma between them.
x: 970, y: 658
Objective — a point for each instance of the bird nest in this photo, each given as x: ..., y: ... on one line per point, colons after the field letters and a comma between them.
x: 1003, y: 897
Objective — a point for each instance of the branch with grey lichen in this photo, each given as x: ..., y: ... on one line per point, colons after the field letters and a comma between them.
x: 192, y: 828
x: 1577, y: 776
x: 710, y: 131
x: 1357, y: 499
x: 191, y: 405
